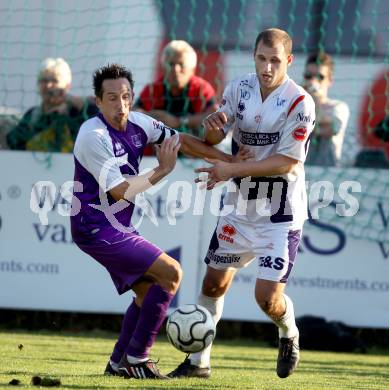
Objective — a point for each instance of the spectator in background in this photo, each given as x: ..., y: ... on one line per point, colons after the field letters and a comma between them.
x: 331, y: 115
x: 52, y: 126
x: 179, y: 99
x: 9, y: 118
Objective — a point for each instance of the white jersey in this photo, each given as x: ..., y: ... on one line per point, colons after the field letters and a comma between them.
x: 282, y: 124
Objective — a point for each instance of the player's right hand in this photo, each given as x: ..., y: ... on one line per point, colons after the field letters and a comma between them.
x: 215, y: 121
x: 167, y: 153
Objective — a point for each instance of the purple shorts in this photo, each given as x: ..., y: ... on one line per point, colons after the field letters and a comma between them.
x: 125, y: 256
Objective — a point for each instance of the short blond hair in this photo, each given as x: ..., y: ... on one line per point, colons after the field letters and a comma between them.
x: 177, y: 46
x: 272, y: 36
x: 60, y: 67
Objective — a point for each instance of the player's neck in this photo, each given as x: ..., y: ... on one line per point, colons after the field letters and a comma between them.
x: 120, y: 126
x: 265, y: 92
x: 116, y: 125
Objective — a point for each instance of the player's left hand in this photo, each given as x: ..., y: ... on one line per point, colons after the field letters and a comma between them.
x: 243, y: 154
x: 219, y: 171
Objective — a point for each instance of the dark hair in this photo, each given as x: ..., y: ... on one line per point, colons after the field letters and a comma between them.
x: 110, y: 71
x: 321, y: 58
x: 272, y: 36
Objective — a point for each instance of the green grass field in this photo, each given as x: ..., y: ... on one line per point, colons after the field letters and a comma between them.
x: 79, y: 360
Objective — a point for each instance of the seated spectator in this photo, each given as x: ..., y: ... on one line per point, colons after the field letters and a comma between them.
x: 331, y: 115
x: 53, y: 125
x: 9, y: 118
x: 180, y: 99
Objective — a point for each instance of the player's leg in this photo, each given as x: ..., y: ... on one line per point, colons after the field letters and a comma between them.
x: 215, y: 285
x: 166, y: 275
x: 228, y: 252
x: 275, y: 266
x: 129, y: 322
x: 216, y: 282
x: 130, y: 260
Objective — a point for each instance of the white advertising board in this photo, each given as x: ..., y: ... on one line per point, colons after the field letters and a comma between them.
x: 335, y: 276
x: 40, y: 266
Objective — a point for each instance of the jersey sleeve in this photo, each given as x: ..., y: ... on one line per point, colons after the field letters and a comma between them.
x: 161, y: 132
x: 295, y: 136
x: 156, y: 131
x: 228, y: 106
x: 94, y: 152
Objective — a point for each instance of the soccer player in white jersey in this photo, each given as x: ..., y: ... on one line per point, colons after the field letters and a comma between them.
x: 107, y: 155
x: 273, y: 116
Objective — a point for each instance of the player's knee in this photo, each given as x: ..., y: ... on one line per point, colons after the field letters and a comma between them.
x: 173, y: 277
x: 269, y: 305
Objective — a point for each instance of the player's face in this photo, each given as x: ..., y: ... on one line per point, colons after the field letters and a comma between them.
x: 271, y: 64
x: 52, y: 88
x: 317, y: 80
x: 176, y: 70
x: 116, y: 102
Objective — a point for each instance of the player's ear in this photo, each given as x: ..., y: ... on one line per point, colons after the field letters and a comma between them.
x: 290, y: 59
x: 98, y: 101
x: 132, y: 100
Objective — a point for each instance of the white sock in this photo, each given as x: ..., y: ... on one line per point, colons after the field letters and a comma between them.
x: 287, y: 324
x: 215, y: 307
x: 135, y: 360
x: 114, y: 365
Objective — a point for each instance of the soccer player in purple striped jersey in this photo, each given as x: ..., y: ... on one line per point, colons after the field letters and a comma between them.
x: 270, y: 114
x: 107, y: 154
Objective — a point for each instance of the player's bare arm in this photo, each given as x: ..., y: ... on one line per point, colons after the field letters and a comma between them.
x: 167, y: 157
x: 194, y: 147
x: 277, y: 164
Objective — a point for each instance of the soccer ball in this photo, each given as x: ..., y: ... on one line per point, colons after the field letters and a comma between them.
x: 190, y: 328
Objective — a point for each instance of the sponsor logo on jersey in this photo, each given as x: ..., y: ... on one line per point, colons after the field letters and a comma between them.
x: 228, y: 231
x: 258, y: 139
x: 280, y: 102
x: 225, y: 259
x: 119, y: 149
x: 268, y: 262
x: 301, y: 117
x: 300, y: 133
x: 137, y: 140
x: 158, y: 126
x: 244, y: 83
x: 244, y: 94
x: 241, y: 106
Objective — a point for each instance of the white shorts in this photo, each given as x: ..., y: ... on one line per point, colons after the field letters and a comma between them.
x: 274, y: 245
